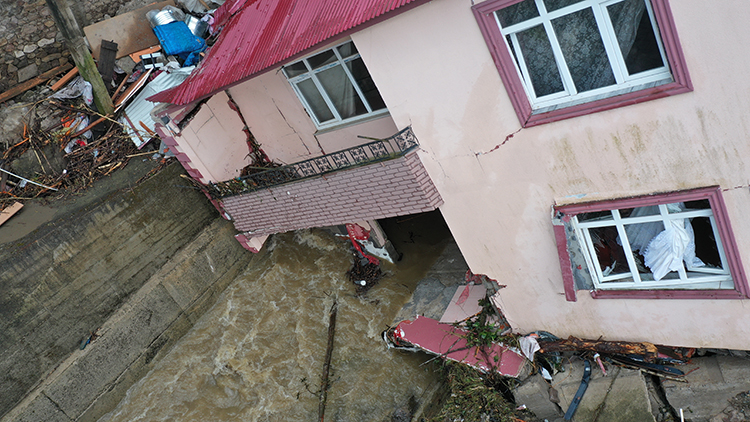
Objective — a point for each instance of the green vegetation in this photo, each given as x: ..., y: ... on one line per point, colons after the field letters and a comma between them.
x: 473, y: 397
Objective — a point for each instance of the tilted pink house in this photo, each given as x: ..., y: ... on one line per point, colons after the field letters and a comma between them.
x: 588, y: 154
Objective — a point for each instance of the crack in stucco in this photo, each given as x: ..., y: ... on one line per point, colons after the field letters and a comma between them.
x: 507, y: 138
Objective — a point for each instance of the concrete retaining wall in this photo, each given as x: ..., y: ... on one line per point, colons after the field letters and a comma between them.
x: 113, y: 266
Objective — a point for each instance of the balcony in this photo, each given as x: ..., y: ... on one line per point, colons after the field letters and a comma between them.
x: 377, y: 151
x: 379, y: 179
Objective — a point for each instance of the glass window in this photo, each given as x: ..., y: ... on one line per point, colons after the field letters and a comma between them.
x: 556, y: 54
x: 335, y: 86
x: 679, y: 241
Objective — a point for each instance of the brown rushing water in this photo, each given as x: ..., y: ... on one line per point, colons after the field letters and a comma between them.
x: 246, y: 358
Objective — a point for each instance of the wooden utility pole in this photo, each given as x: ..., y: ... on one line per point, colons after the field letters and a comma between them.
x: 73, y: 34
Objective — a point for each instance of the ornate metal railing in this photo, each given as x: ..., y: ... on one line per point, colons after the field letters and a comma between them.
x: 372, y: 152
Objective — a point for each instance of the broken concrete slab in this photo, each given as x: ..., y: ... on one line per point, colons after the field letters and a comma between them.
x: 621, y: 396
x: 534, y: 393
x: 712, y: 382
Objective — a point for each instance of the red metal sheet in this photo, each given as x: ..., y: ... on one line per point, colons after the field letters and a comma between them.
x: 260, y: 34
x: 447, y: 341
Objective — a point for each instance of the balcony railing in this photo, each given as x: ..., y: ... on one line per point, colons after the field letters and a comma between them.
x: 372, y: 152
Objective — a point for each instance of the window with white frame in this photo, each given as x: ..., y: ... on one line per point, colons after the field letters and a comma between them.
x: 335, y: 86
x: 673, y: 245
x: 680, y: 240
x: 563, y: 53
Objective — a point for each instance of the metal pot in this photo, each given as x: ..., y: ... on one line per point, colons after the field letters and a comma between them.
x: 160, y: 17
x: 198, y: 27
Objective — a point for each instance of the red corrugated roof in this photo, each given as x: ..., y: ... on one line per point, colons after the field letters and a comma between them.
x: 260, y: 34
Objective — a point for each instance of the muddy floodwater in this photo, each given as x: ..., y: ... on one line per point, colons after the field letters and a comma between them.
x: 254, y: 355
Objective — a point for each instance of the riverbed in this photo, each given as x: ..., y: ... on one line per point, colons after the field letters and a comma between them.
x: 257, y: 355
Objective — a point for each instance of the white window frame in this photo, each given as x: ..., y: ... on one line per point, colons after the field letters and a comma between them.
x: 624, y: 82
x: 312, y: 74
x: 689, y: 277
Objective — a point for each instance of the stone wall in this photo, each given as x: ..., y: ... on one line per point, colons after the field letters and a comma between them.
x: 72, y: 276
x: 30, y: 43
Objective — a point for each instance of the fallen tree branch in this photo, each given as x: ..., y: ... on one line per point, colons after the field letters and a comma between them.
x: 327, y: 364
x: 646, y: 350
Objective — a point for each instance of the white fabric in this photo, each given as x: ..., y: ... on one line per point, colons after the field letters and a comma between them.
x: 529, y: 346
x: 75, y: 89
x: 639, y: 235
x: 669, y: 248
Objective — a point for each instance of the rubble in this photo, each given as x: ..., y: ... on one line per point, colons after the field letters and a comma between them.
x: 60, y: 142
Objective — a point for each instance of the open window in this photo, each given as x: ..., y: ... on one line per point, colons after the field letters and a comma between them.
x: 563, y: 58
x: 335, y: 86
x: 676, y: 245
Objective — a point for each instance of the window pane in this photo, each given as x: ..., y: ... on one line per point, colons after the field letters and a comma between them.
x: 295, y: 69
x: 595, y: 216
x: 322, y: 59
x: 706, y: 248
x: 315, y: 100
x: 347, y: 49
x: 516, y: 13
x: 609, y: 252
x: 583, y: 49
x: 635, y: 36
x: 365, y: 83
x: 558, y: 4
x: 540, y: 62
x: 640, y: 211
x: 702, y: 204
x: 341, y: 92
x: 641, y: 234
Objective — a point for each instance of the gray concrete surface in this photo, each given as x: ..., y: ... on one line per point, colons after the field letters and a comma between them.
x: 72, y: 275
x: 712, y: 382
x: 621, y: 396
x: 436, y: 289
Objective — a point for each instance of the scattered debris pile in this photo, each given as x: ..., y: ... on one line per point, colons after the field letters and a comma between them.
x: 365, y: 272
x: 55, y: 140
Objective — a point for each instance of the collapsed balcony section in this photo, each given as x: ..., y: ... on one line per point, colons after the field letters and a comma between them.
x: 379, y: 179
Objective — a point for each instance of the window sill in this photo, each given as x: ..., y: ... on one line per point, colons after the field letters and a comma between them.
x: 667, y: 294
x: 531, y: 118
x: 352, y: 122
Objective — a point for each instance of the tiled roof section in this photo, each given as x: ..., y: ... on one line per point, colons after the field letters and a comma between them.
x: 261, y: 34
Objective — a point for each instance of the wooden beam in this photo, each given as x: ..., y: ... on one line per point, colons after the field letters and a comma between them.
x: 8, y: 212
x: 44, y: 77
x: 65, y: 79
x: 73, y: 34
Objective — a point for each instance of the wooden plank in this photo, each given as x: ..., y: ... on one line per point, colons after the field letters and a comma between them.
x: 65, y: 79
x: 44, y: 77
x: 8, y: 212
x: 131, y: 31
x: 106, y: 65
x: 133, y: 88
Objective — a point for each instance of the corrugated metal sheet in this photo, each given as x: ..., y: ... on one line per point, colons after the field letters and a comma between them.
x: 260, y: 34
x: 140, y: 108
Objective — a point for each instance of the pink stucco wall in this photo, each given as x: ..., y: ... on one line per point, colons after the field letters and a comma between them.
x: 286, y: 133
x: 498, y: 200
x: 213, y: 141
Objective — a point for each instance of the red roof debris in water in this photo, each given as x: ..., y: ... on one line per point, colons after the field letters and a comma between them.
x: 449, y: 342
x: 261, y: 34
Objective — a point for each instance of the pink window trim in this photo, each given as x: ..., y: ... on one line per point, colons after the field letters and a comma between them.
x: 565, y: 264
x: 483, y: 12
x: 715, y: 199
